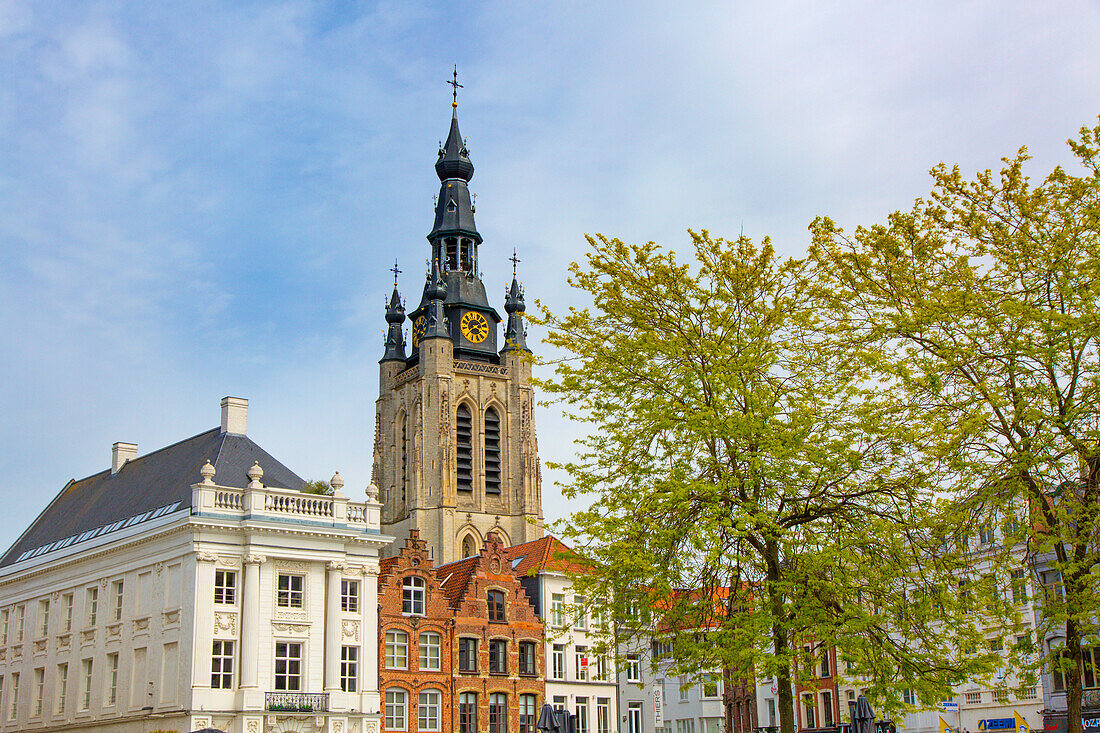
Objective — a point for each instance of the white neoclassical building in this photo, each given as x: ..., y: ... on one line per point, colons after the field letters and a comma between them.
x: 194, y: 586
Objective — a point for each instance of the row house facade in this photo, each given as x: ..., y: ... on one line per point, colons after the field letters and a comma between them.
x: 460, y: 646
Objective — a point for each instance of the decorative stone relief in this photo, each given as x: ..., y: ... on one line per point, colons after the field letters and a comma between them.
x: 201, y: 722
x: 290, y: 628
x: 207, y: 557
x: 114, y: 630
x: 229, y: 562
x: 87, y: 636
x: 337, y: 565
x: 171, y: 617
x: 40, y: 645
x: 370, y: 726
x: 3, y: 653
x: 225, y: 622
x: 285, y: 615
x: 64, y: 641
x: 254, y: 559
x: 337, y: 726
x: 291, y: 565
x: 141, y: 625
x: 160, y: 567
x: 350, y: 629
x: 253, y: 726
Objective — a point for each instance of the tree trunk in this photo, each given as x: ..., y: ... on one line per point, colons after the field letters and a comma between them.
x: 1073, y: 679
x: 779, y: 638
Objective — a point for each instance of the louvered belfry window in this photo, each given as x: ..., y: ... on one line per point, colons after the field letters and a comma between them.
x: 492, y: 452
x: 464, y: 453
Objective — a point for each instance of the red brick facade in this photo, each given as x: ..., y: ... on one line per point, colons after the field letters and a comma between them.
x: 476, y: 606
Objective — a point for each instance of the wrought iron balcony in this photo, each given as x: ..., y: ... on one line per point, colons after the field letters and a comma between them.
x: 296, y: 702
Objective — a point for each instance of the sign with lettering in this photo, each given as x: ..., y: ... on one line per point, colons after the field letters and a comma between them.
x: 659, y: 706
x: 997, y: 724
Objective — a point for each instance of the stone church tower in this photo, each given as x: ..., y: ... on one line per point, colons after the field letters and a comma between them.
x: 455, y: 454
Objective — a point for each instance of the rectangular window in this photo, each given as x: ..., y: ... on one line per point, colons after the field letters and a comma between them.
x: 825, y: 671
x: 225, y: 587
x: 909, y: 696
x: 467, y: 655
x: 827, y: 709
x: 996, y: 645
x: 557, y: 610
x: 558, y: 659
x: 580, y: 658
x: 112, y: 679
x: 600, y: 673
x: 467, y: 712
x: 498, y: 713
x: 39, y: 688
x: 428, y: 645
x: 603, y: 715
x: 712, y: 685
x: 1019, y: 586
x: 662, y: 650
x: 582, y: 715
x: 62, y: 687
x: 771, y: 711
x: 221, y: 667
x: 412, y: 596
x: 4, y: 627
x: 685, y: 726
x: 396, y: 705
x: 428, y: 710
x: 986, y: 534
x: 117, y: 595
x: 349, y: 596
x: 495, y: 606
x: 44, y: 617
x: 67, y: 612
x: 397, y: 650
x: 91, y: 606
x: 527, y: 656
x: 13, y: 710
x: 808, y: 711
x: 86, y: 684
x: 685, y: 687
x: 288, y: 666
x: 633, y: 668
x: 20, y: 612
x: 580, y: 613
x: 349, y: 669
x: 634, y: 717
x: 291, y: 593
x: 498, y: 656
x: 528, y: 713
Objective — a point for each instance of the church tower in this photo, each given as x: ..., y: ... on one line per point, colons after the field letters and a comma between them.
x: 455, y: 454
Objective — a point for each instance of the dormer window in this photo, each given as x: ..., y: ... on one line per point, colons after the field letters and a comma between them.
x: 412, y: 596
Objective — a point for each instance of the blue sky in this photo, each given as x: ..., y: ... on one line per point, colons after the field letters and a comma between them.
x: 203, y: 199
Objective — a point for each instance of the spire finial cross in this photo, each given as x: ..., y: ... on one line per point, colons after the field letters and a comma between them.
x: 395, y: 272
x: 514, y: 260
x: 455, y: 86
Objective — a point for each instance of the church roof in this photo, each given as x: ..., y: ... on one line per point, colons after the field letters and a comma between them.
x: 156, y: 482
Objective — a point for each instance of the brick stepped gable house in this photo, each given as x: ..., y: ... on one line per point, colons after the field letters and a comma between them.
x: 489, y: 634
x: 191, y: 587
x: 576, y: 678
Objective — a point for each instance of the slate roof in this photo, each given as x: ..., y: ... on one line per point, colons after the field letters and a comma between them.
x: 149, y: 482
x: 545, y: 553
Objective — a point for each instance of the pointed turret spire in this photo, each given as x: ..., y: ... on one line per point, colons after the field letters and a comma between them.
x: 395, y: 316
x: 436, y: 292
x: 515, y: 336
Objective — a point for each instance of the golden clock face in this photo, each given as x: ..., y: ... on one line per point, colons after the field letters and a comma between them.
x: 474, y: 327
x: 418, y: 330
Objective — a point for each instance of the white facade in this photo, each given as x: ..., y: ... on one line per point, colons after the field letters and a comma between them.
x: 175, y: 622
x: 654, y: 700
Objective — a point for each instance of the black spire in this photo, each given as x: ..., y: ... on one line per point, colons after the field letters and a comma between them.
x: 435, y: 290
x: 515, y: 335
x: 395, y: 316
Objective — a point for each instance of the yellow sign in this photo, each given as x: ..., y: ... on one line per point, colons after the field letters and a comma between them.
x: 944, y: 727
x: 1021, y: 724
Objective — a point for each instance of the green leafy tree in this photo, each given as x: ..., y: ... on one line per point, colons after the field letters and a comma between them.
x: 980, y: 309
x: 322, y: 488
x: 751, y: 493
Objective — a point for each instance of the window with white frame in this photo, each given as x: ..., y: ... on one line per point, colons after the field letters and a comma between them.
x: 580, y: 613
x: 44, y: 617
x: 349, y: 595
x: 67, y: 612
x: 909, y: 696
x: 288, y: 666
x: 428, y: 708
x: 117, y: 587
x: 397, y: 649
x: 13, y: 708
x: 603, y: 715
x: 4, y: 627
x: 221, y: 665
x: 557, y: 610
x: 528, y: 713
x: 349, y: 668
x: 412, y: 596
x: 808, y: 711
x: 91, y: 606
x: 986, y: 534
x: 396, y: 707
x: 710, y: 725
x: 633, y: 668
x: 428, y: 647
x: 1018, y: 584
x: 86, y: 684
x: 685, y: 725
x: 685, y: 688
x: 600, y: 672
x: 580, y: 658
x: 581, y: 706
x: 62, y: 687
x: 111, y: 696
x: 827, y: 709
x: 20, y: 612
x: 225, y: 586
x: 558, y: 661
x: 290, y: 591
x: 712, y: 685
x: 39, y: 689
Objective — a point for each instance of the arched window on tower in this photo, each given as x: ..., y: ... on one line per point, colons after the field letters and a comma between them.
x: 468, y: 547
x: 467, y: 255
x: 492, y: 452
x: 464, y: 451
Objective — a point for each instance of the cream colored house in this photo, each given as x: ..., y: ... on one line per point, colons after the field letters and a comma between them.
x: 191, y: 587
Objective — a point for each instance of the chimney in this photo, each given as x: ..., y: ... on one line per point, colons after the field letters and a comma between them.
x: 120, y: 453
x: 234, y: 415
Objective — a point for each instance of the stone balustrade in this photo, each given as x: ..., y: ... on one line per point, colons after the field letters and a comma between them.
x: 268, y: 502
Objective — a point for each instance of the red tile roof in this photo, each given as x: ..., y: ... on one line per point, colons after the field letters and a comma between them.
x: 546, y: 553
x: 455, y: 577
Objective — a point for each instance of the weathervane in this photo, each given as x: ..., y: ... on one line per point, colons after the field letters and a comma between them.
x: 395, y: 272
x: 455, y: 86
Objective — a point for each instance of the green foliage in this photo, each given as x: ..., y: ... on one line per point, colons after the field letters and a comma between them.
x: 317, y: 487
x: 980, y: 310
x: 740, y: 448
